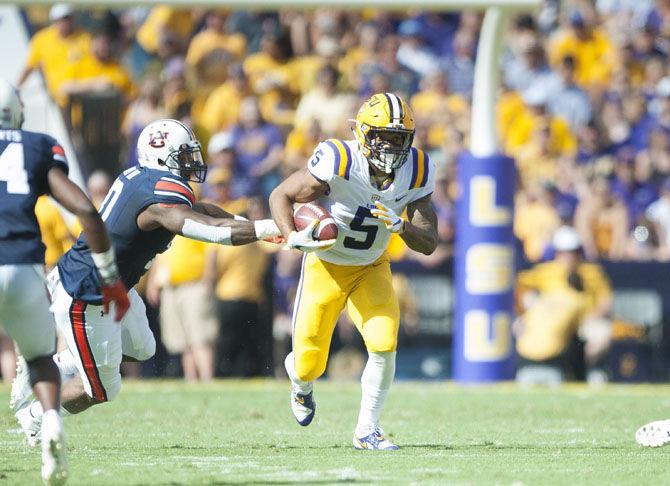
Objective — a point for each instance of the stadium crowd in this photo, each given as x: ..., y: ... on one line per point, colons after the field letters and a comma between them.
x: 584, y: 110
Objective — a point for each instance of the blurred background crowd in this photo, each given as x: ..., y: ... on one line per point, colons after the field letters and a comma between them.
x: 584, y: 110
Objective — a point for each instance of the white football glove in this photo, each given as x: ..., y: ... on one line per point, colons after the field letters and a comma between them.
x: 393, y: 222
x: 304, y: 240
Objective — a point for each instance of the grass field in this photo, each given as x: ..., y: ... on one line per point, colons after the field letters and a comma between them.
x: 242, y: 433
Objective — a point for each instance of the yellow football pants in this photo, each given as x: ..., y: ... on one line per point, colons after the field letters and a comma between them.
x: 323, y: 291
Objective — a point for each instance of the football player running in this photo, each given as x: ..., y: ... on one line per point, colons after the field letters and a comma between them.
x: 367, y: 184
x: 32, y: 164
x: 144, y: 209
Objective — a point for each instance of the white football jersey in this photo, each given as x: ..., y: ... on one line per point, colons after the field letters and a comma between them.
x: 362, y: 238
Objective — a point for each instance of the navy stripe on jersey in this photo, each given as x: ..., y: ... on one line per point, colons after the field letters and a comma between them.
x: 415, y: 166
x: 348, y: 169
x: 336, y: 152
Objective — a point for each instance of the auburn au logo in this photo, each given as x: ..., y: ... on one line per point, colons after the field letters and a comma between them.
x: 157, y: 139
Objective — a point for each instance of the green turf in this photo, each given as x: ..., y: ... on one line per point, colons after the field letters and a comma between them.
x: 243, y: 433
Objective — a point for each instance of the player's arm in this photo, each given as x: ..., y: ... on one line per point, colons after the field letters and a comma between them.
x: 420, y: 229
x: 300, y: 187
x: 68, y: 194
x: 420, y: 232
x: 186, y: 221
x: 212, y: 210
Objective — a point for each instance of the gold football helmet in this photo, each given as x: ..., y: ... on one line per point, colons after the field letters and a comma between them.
x: 385, y: 130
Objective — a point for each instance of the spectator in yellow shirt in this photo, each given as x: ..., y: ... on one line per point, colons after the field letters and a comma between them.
x: 54, y: 48
x: 222, y: 107
x: 269, y: 68
x: 212, y: 49
x: 99, y: 71
x: 593, y: 51
x: 559, y: 299
x: 437, y: 108
x: 187, y: 318
x: 55, y: 234
x: 300, y: 144
x: 535, y: 220
x: 535, y: 116
x: 165, y: 21
x: 327, y: 105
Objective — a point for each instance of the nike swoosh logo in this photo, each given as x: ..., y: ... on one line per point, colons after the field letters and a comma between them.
x: 400, y: 198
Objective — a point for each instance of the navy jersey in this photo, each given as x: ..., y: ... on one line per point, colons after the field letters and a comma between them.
x: 25, y: 160
x: 132, y: 192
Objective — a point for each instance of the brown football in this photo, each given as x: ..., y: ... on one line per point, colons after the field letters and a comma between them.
x: 305, y: 214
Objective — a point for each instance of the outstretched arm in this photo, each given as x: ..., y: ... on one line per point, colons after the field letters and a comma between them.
x: 212, y: 210
x: 181, y: 219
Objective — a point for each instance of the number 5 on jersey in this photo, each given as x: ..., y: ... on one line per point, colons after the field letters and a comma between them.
x: 358, y: 224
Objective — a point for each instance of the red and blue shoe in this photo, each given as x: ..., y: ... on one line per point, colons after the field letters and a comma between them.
x: 374, y: 441
x: 303, y: 407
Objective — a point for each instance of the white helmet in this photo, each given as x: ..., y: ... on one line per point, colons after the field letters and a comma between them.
x: 11, y: 107
x: 171, y: 146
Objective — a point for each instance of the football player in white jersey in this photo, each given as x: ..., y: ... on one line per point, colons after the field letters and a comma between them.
x: 367, y: 184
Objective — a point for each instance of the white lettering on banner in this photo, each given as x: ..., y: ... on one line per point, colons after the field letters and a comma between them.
x: 483, y: 209
x: 480, y: 344
x: 488, y: 268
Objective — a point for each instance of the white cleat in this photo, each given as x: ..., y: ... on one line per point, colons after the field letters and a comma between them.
x: 22, y: 391
x: 303, y: 407
x: 54, y: 451
x: 654, y: 434
x: 375, y: 440
x: 30, y: 425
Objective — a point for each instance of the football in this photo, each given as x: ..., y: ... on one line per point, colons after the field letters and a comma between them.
x: 305, y: 214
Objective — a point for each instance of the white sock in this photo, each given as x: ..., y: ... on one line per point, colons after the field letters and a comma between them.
x: 375, y: 383
x: 302, y: 387
x: 51, y: 425
x: 36, y: 409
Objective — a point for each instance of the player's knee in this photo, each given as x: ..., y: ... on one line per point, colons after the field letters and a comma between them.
x: 148, y: 350
x: 381, y: 334
x: 43, y: 369
x: 309, y: 365
x: 383, y: 345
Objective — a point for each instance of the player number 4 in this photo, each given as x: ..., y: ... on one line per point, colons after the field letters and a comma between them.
x: 12, y: 169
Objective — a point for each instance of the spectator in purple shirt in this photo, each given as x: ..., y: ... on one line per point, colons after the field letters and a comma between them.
x: 637, y: 193
x: 258, y: 148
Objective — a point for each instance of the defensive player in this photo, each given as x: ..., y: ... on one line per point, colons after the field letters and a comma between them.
x: 32, y: 164
x: 145, y: 207
x: 366, y: 183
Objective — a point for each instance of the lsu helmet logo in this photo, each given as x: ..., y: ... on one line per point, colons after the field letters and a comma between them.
x: 157, y: 139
